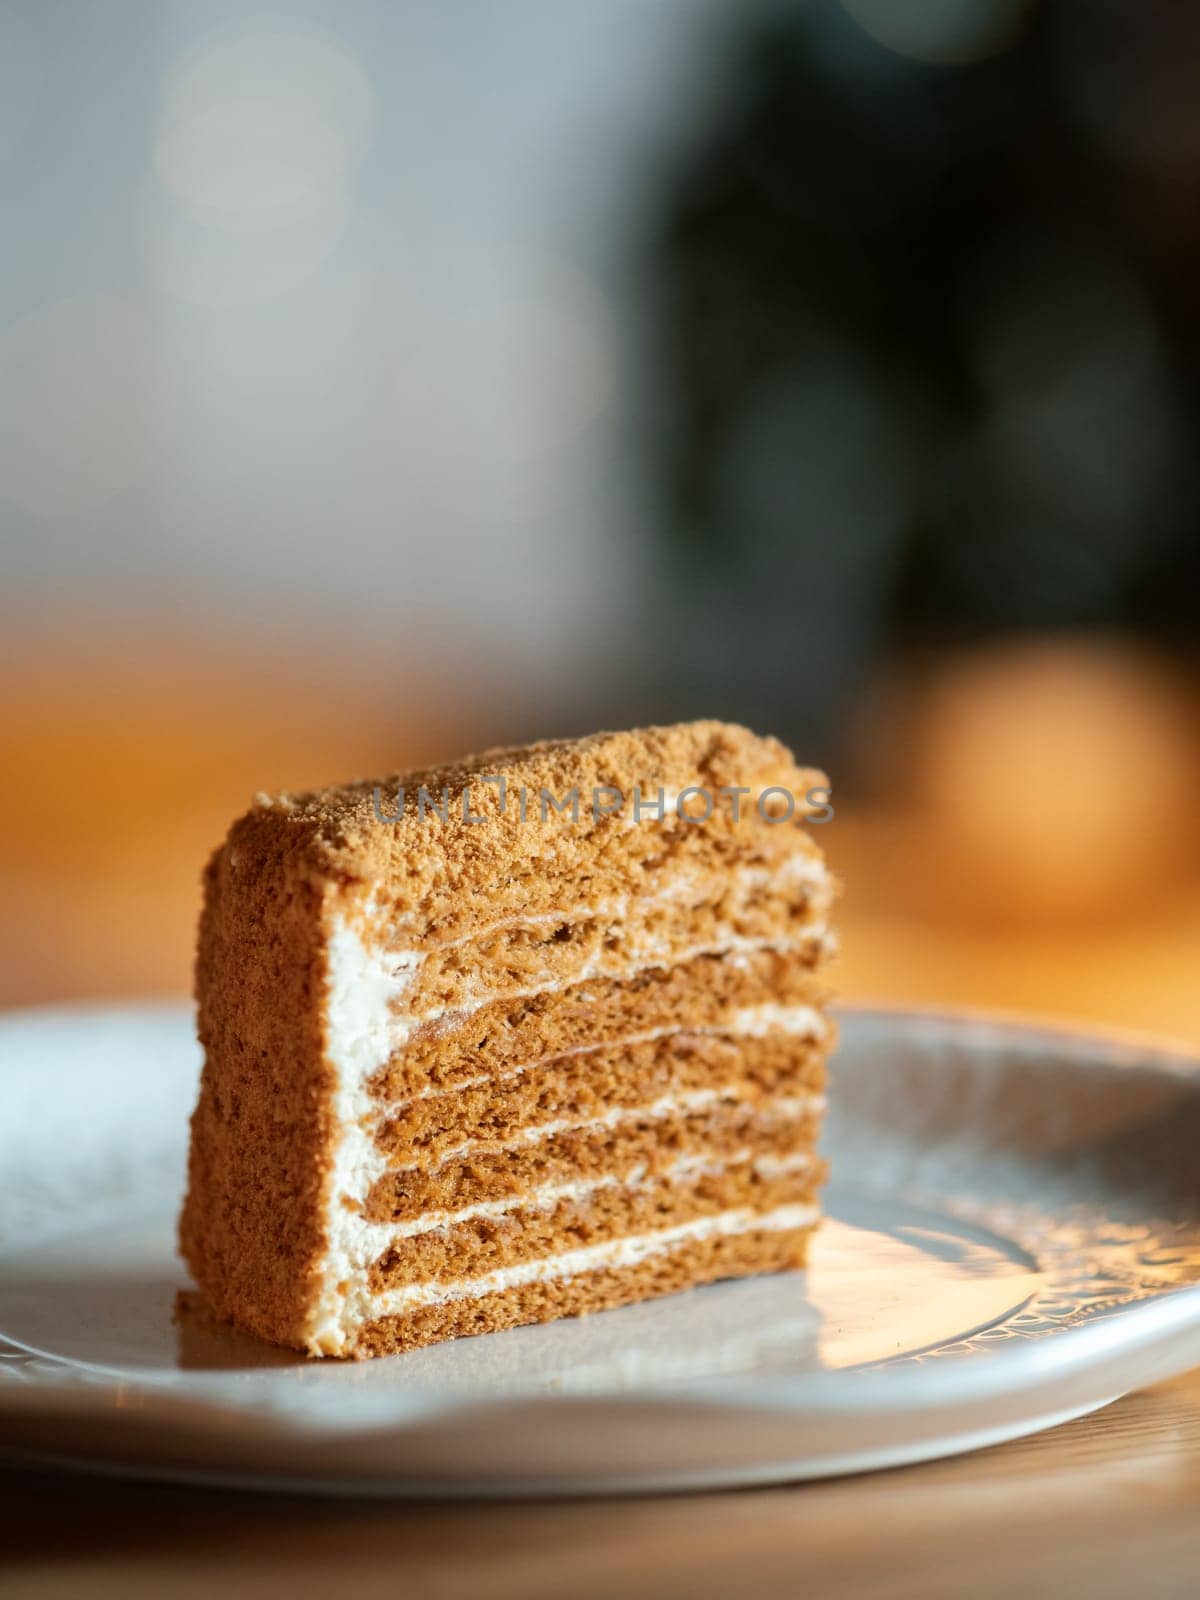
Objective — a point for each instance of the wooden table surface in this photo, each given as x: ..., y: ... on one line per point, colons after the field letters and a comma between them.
x: 1105, y: 1506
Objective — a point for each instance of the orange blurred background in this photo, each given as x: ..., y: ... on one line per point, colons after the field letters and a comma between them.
x: 1034, y: 850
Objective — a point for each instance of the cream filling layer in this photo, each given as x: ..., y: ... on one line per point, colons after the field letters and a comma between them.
x: 548, y: 1195
x: 614, y: 1254
x: 751, y: 1022
x: 538, y: 1132
x: 644, y: 953
x: 653, y: 1111
x: 662, y: 957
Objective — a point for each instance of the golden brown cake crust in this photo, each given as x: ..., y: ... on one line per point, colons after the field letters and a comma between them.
x: 252, y: 1230
x: 441, y: 880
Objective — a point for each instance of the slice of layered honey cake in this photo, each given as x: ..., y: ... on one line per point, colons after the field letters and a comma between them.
x: 536, y: 1034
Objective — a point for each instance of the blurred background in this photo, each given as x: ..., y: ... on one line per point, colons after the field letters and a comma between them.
x: 383, y: 379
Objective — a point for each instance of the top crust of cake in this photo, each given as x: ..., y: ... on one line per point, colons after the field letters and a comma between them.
x: 431, y: 870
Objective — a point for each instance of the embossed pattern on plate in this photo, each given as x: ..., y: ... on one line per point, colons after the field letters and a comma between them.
x: 1014, y: 1236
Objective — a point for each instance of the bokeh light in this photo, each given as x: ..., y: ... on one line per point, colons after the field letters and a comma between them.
x: 200, y: 264
x: 261, y: 126
x: 947, y: 31
x: 507, y: 384
x: 262, y: 122
x: 1057, y: 774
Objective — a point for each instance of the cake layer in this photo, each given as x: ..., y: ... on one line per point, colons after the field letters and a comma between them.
x: 653, y: 1138
x: 596, y: 1082
x: 595, y: 1283
x: 685, y: 1169
x: 708, y: 992
x: 529, y: 957
x: 785, y: 865
x: 598, y: 1214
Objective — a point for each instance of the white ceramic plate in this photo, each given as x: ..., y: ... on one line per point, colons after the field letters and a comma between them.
x: 1014, y: 1239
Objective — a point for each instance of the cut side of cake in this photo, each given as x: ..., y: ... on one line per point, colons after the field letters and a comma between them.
x: 536, y: 1034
